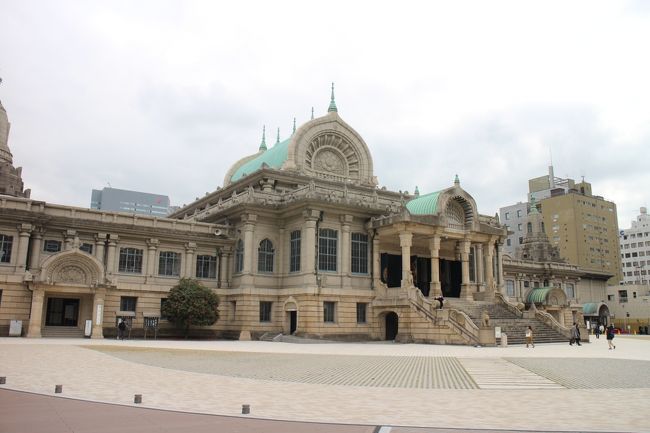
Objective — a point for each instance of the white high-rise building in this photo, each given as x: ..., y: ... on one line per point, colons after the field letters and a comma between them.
x: 635, y: 250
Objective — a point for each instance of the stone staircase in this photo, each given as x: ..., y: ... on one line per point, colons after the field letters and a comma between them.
x: 511, y: 324
x: 62, y: 332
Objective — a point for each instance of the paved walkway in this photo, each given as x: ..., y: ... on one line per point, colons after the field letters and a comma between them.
x: 549, y: 388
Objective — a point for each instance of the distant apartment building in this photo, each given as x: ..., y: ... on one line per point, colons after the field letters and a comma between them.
x: 120, y: 200
x: 635, y: 250
x: 583, y: 226
x: 515, y: 218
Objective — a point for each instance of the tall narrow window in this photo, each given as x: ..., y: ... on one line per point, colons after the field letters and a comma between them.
x: 510, y: 288
x: 169, y: 264
x: 327, y: 243
x: 130, y: 260
x: 361, y: 312
x: 265, y: 311
x: 294, y: 256
x: 206, y: 266
x: 359, y: 253
x: 6, y: 243
x: 472, y: 265
x: 570, y: 290
x: 329, y: 312
x: 265, y: 256
x: 239, y: 256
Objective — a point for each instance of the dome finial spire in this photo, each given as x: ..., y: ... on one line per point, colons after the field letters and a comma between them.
x: 294, y: 126
x: 277, y: 138
x: 312, y: 113
x: 332, y: 107
x: 456, y: 181
x: 263, y: 143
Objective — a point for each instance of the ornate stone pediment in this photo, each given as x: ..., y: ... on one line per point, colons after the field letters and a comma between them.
x: 74, y: 268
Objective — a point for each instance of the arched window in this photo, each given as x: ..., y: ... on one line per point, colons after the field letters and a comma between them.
x: 265, y: 256
x: 239, y: 256
x: 529, y: 227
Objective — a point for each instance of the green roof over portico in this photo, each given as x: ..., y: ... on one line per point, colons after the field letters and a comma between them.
x: 538, y: 295
x: 424, y: 205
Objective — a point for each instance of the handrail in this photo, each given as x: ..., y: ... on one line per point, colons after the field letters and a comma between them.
x: 508, y: 305
x: 468, y: 330
x: 549, y: 320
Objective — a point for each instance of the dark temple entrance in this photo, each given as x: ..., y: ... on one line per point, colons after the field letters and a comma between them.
x: 450, y: 278
x: 62, y: 312
x: 391, y: 271
x: 392, y: 325
x: 293, y: 321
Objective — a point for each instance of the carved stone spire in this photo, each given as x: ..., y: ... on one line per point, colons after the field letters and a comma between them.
x: 263, y: 143
x: 332, y: 107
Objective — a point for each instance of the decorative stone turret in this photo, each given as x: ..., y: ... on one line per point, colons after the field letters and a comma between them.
x: 536, y: 246
x: 11, y: 182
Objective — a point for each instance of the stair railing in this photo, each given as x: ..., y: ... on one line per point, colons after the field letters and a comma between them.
x: 550, y: 321
x: 512, y: 307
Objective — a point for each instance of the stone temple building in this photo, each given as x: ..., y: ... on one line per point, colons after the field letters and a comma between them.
x: 300, y: 240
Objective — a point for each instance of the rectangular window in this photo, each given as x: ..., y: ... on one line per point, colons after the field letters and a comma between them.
x: 162, y: 304
x: 127, y: 303
x: 206, y: 266
x: 359, y: 253
x: 86, y: 248
x: 327, y: 243
x: 519, y: 227
x: 294, y: 254
x: 519, y: 213
x: 169, y: 264
x: 51, y: 246
x: 130, y: 260
x: 526, y: 284
x: 622, y: 295
x: 570, y: 291
x: 521, y: 240
x: 6, y: 243
x: 507, y: 215
x: 361, y: 312
x: 239, y: 256
x: 329, y: 312
x: 510, y: 288
x: 265, y: 311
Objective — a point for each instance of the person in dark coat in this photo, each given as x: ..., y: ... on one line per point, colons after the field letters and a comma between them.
x: 610, y: 337
x: 575, y: 335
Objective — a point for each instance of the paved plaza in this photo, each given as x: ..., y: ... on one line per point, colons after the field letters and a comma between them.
x: 553, y: 387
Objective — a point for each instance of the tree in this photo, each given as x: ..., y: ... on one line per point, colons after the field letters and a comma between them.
x: 191, y: 304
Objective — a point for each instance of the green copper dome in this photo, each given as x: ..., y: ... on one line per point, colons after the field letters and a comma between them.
x: 424, y: 205
x: 274, y: 158
x: 538, y: 295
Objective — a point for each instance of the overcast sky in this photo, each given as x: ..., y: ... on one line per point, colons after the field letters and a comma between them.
x: 164, y: 97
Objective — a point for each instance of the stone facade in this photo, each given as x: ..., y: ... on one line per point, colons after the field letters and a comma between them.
x: 300, y: 240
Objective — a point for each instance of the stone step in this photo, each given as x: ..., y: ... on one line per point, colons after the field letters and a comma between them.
x: 62, y: 332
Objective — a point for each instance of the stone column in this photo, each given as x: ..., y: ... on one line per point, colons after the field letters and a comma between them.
x: 346, y: 245
x: 249, y: 230
x: 36, y: 314
x: 281, y: 251
x: 110, y: 258
x: 224, y: 267
x: 499, y: 276
x: 376, y: 262
x: 98, y: 313
x: 489, y: 268
x: 100, y: 243
x: 37, y: 245
x: 405, y: 241
x: 152, y: 246
x: 480, y: 277
x: 190, y: 248
x: 465, y: 281
x: 23, y: 243
x: 308, y: 253
x: 435, y: 289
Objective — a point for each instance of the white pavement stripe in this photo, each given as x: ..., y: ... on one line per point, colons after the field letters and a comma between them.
x: 502, y: 374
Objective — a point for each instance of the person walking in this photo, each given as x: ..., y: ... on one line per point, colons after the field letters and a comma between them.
x: 597, y: 332
x: 610, y: 337
x: 575, y: 335
x: 121, y: 329
x: 529, y: 337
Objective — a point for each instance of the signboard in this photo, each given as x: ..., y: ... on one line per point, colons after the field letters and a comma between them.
x: 15, y: 328
x: 497, y: 332
x: 100, y: 314
x: 88, y: 329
